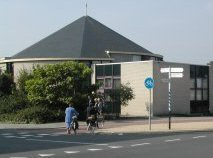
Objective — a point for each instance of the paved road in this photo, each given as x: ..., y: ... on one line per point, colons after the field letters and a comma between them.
x: 28, y: 143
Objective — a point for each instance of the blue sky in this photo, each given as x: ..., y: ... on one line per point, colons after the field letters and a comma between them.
x: 180, y: 30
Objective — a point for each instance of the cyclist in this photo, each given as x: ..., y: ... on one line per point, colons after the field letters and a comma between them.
x: 69, y: 113
x: 92, y: 113
x: 100, y: 105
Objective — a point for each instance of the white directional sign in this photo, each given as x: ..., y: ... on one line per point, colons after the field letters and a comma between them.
x: 164, y: 70
x: 176, y: 69
x: 173, y: 69
x: 176, y: 75
x: 173, y: 72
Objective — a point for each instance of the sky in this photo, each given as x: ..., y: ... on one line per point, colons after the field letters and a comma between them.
x: 180, y: 30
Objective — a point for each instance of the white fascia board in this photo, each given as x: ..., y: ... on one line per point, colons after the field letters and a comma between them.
x: 55, y: 59
x: 134, y: 53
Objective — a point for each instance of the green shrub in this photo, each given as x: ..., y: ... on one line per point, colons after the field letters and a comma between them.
x: 6, y: 84
x: 13, y: 103
x: 6, y: 117
x: 35, y: 114
x: 17, y: 109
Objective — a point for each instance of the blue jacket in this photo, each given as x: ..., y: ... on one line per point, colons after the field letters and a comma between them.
x: 70, y: 112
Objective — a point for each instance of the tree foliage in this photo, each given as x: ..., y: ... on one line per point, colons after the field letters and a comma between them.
x: 6, y: 84
x: 57, y: 84
x: 126, y: 94
x: 24, y: 75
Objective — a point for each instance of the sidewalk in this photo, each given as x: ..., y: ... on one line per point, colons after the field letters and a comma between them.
x: 178, y: 124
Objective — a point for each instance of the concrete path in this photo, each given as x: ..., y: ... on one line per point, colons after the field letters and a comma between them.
x: 130, y: 125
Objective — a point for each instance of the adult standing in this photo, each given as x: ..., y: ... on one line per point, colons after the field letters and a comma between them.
x: 100, y: 105
x: 69, y: 113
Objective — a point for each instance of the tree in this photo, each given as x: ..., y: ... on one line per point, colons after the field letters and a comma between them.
x: 6, y: 84
x: 125, y: 94
x: 55, y: 85
x: 24, y: 75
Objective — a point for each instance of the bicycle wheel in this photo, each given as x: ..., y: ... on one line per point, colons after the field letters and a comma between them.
x: 74, y: 127
x: 91, y: 128
x: 100, y: 123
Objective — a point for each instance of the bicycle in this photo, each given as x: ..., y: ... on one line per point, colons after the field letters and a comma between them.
x: 91, y: 124
x: 74, y: 124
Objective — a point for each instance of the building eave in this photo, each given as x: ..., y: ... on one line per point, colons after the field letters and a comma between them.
x: 55, y: 59
x: 134, y: 53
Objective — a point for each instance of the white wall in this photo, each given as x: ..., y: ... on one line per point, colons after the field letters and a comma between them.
x: 135, y: 73
x: 18, y: 66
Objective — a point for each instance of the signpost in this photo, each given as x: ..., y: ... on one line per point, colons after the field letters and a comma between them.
x: 175, y: 72
x: 149, y: 84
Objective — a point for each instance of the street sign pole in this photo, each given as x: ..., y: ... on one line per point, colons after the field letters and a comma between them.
x: 150, y: 109
x: 149, y: 84
x: 174, y: 72
x: 169, y: 99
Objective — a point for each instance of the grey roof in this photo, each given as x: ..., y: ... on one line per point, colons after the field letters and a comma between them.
x: 83, y: 38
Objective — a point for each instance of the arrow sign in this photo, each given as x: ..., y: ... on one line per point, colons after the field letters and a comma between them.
x: 173, y: 69
x: 176, y: 75
x: 176, y: 69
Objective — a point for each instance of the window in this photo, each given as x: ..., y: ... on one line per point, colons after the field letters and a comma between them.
x: 205, y: 94
x: 108, y: 70
x: 136, y: 58
x: 107, y: 97
x: 205, y: 83
x: 199, y: 83
x: 192, y: 94
x: 199, y: 94
x: 108, y: 77
x: 99, y: 70
x: 100, y: 82
x: 192, y: 83
x: 116, y: 83
x: 108, y: 82
x: 116, y: 70
x: 192, y: 71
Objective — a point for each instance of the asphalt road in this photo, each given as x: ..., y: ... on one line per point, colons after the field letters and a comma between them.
x: 43, y: 143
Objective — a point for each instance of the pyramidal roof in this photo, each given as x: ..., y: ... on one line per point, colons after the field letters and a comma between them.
x: 83, y: 38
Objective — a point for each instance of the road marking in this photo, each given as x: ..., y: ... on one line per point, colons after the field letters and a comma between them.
x: 197, y: 137
x: 102, y: 144
x: 172, y: 140
x: 6, y: 134
x: 67, y: 142
x: 55, y: 135
x: 94, y: 149
x: 133, y: 145
x: 71, y: 152
x: 19, y: 137
x: 46, y: 155
x: 38, y: 136
x: 43, y: 134
x: 27, y: 135
x: 9, y: 136
x: 23, y: 132
x: 115, y: 147
x: 14, y: 137
x: 18, y: 157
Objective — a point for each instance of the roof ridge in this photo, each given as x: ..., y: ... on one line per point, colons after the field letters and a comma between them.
x: 83, y: 34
